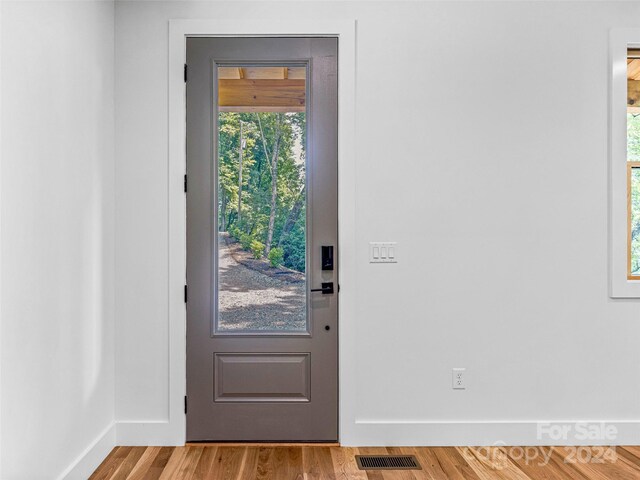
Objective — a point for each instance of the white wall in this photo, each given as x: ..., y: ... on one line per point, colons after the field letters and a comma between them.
x: 57, y: 365
x: 481, y: 149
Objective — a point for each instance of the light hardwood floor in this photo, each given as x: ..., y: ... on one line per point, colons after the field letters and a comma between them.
x: 240, y: 462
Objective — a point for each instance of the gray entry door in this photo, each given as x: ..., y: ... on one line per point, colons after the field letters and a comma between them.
x: 262, y: 269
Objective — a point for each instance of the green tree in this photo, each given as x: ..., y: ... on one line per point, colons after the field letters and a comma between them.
x: 633, y: 137
x: 261, y: 182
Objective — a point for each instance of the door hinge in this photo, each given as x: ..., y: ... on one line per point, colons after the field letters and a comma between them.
x: 185, y: 72
x: 185, y: 404
x: 186, y: 297
x: 185, y: 183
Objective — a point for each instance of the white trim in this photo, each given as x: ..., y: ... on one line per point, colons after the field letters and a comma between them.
x: 147, y: 434
x: 620, y: 287
x: 92, y: 457
x: 173, y: 431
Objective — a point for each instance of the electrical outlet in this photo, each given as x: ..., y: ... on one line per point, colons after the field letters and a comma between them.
x: 459, y: 378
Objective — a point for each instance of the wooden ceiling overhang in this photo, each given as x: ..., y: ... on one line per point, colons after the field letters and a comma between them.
x: 262, y: 89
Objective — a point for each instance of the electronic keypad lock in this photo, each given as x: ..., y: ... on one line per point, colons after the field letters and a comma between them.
x: 327, y: 257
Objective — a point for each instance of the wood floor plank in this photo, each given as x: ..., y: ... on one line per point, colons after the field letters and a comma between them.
x: 592, y: 462
x: 249, y: 467
x: 454, y: 464
x: 286, y: 463
x: 532, y: 461
x: 344, y: 464
x: 294, y: 462
x: 431, y: 468
x: 630, y: 462
x: 316, y: 462
x: 111, y: 464
x: 171, y: 469
x: 633, y: 449
x: 158, y: 464
x: 491, y: 463
x: 205, y: 463
x: 263, y: 470
x: 190, y: 462
x: 631, y: 454
x: 144, y: 464
x: 227, y: 463
x: 277, y: 462
x: 557, y: 460
x: 578, y: 468
x: 128, y: 463
x: 430, y: 464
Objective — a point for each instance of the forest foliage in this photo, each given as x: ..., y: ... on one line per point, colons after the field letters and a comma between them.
x: 261, y: 184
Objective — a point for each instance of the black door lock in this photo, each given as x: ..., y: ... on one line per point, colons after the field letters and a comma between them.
x: 327, y: 257
x: 327, y: 288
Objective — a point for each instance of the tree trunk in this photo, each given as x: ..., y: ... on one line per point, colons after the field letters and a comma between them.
x: 223, y: 213
x: 274, y: 184
x: 293, y: 217
x: 240, y: 177
x: 266, y: 154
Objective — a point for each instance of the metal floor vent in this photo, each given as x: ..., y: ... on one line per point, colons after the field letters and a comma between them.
x: 387, y: 462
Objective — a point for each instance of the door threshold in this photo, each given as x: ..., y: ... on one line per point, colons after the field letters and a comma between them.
x: 261, y: 444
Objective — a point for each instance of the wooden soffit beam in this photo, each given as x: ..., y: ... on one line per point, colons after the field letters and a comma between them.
x: 261, y: 95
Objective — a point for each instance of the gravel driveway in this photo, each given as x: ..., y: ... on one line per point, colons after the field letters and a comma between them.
x: 250, y: 300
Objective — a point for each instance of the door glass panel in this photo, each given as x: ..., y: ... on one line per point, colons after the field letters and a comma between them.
x: 261, y: 214
x: 634, y: 220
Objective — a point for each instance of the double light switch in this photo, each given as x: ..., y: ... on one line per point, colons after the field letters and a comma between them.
x: 383, y: 252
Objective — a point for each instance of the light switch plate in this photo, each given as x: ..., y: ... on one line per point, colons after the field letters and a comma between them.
x: 383, y: 252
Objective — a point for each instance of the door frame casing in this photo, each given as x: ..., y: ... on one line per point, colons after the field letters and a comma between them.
x: 172, y: 431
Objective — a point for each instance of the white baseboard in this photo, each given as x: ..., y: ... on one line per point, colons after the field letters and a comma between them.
x: 150, y: 434
x: 430, y: 433
x: 530, y: 433
x: 94, y: 454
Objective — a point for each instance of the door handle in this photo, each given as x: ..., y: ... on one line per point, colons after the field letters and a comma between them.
x: 327, y: 288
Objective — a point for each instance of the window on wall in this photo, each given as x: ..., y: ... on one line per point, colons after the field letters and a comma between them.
x: 624, y: 163
x: 633, y: 164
